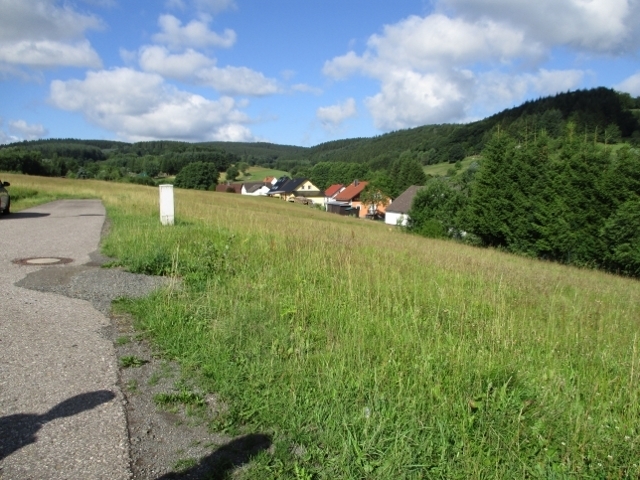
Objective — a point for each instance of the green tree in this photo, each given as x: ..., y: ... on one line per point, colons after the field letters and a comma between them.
x: 621, y: 235
x: 198, y: 176
x: 232, y: 173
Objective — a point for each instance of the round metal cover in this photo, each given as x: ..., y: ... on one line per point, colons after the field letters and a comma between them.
x: 42, y: 261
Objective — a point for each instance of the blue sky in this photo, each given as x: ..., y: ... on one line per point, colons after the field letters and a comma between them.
x: 296, y: 72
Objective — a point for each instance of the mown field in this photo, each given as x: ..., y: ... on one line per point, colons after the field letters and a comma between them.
x: 369, y: 353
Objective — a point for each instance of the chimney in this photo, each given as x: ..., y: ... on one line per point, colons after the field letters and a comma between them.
x: 356, y: 182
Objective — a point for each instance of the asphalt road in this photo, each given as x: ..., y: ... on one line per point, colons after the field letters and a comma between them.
x: 61, y: 412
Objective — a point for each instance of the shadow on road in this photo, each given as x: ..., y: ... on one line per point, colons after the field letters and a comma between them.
x: 17, y: 431
x: 221, y: 462
x: 20, y: 215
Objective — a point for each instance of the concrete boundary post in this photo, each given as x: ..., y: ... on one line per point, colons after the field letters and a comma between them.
x: 166, y: 205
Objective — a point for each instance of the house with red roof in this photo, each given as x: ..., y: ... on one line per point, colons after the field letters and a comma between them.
x: 331, y: 192
x: 348, y: 201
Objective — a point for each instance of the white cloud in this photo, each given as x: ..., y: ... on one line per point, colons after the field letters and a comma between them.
x: 603, y: 26
x: 334, y: 115
x: 444, y: 68
x: 46, y: 53
x: 408, y: 98
x: 39, y: 33
x: 630, y: 85
x: 141, y: 106
x: 195, y: 34
x: 194, y: 67
x: 182, y: 66
x: 237, y: 81
x: 27, y: 131
x: 495, y: 91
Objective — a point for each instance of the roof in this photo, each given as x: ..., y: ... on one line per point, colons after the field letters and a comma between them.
x: 252, y: 187
x: 402, y: 204
x: 333, y: 189
x: 352, y: 191
x: 269, y: 179
x: 277, y: 187
x: 225, y: 187
x: 288, y: 186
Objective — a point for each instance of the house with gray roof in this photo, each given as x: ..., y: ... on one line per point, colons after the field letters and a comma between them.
x: 398, y: 212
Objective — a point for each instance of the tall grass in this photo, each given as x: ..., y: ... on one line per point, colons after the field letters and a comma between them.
x: 369, y: 353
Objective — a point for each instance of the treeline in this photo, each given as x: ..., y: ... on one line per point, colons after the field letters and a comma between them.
x: 570, y: 200
x: 591, y: 112
x: 138, y: 162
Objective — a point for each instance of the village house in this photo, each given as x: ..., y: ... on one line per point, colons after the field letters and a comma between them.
x: 300, y: 189
x: 398, y: 212
x: 349, y: 200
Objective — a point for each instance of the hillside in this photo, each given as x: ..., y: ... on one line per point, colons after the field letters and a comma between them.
x: 364, y: 352
x: 602, y: 113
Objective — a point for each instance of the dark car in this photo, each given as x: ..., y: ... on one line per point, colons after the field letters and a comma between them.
x: 5, y: 199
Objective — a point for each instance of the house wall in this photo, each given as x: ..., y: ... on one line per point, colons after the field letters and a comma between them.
x: 262, y: 191
x: 396, y: 219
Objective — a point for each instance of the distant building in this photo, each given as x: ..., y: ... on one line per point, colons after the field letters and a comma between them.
x: 398, y: 212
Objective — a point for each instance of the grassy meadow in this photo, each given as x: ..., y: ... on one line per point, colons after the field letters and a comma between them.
x: 441, y: 169
x: 370, y: 353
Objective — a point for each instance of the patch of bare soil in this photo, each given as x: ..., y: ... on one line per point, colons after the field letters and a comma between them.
x: 171, y: 440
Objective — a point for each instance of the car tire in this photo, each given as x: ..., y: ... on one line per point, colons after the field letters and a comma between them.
x: 7, y: 210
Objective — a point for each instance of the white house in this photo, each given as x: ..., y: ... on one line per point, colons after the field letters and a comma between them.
x: 255, y: 189
x: 398, y: 211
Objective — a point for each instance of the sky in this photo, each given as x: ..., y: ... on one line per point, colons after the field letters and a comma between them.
x: 296, y: 72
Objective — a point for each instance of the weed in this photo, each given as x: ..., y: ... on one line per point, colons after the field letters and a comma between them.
x: 184, y: 464
x: 183, y: 397
x: 123, y: 340
x: 154, y: 379
x: 132, y: 385
x: 131, y: 361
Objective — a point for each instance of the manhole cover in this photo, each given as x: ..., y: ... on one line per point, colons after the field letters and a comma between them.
x: 40, y: 261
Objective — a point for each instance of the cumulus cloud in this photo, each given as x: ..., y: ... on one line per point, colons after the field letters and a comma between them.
x: 602, y: 26
x: 22, y: 129
x: 39, y: 34
x: 332, y: 116
x: 141, y: 106
x: 195, y: 34
x: 194, y: 67
x: 630, y: 85
x: 471, y: 55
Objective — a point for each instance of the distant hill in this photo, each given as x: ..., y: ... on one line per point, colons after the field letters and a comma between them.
x: 589, y: 111
x: 584, y: 111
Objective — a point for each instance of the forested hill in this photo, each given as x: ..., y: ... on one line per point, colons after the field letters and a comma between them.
x: 602, y: 114
x: 587, y: 111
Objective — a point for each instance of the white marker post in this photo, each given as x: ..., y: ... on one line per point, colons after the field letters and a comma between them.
x: 166, y: 205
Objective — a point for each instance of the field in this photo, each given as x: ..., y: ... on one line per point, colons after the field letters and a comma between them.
x: 366, y: 352
x: 256, y: 174
x: 441, y: 169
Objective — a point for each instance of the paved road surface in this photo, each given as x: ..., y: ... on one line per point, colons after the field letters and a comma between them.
x: 61, y: 413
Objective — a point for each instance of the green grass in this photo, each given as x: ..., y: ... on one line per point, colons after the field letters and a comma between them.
x: 131, y: 361
x: 256, y: 174
x: 442, y: 169
x: 25, y: 197
x: 369, y: 353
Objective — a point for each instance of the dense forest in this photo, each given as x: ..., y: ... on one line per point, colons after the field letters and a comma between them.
x: 570, y: 199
